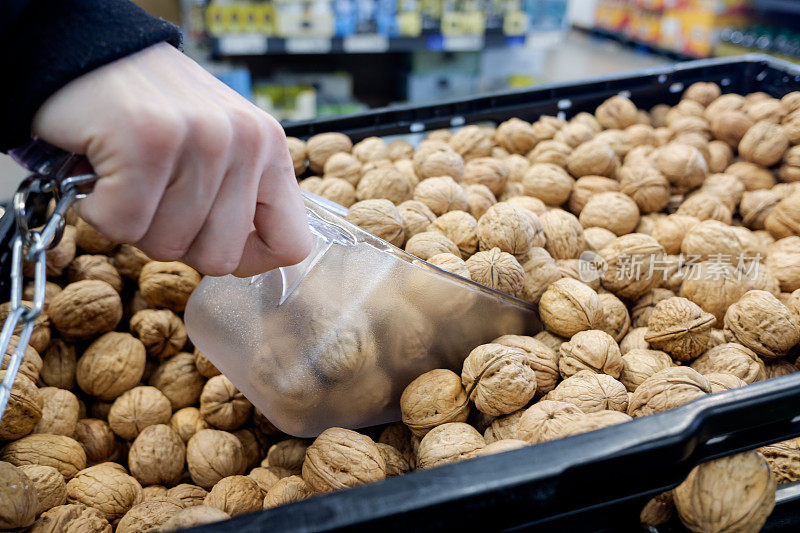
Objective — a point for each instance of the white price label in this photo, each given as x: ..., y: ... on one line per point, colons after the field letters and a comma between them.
x: 308, y: 45
x: 462, y: 43
x: 243, y: 44
x: 369, y: 43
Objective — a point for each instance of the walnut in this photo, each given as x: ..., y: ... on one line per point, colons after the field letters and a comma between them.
x: 161, y: 331
x: 441, y: 195
x: 157, y: 456
x: 589, y: 120
x: 90, y: 240
x: 764, y: 144
x: 784, y: 219
x: 552, y: 152
x: 789, y: 170
x: 616, y: 320
x: 720, y: 156
x: 222, y: 405
x: 111, y: 365
x: 791, y: 101
x: 437, y: 159
x: 97, y: 440
x: 71, y: 517
x: 783, y: 261
x: 385, y: 182
x: 684, y: 108
x: 540, y: 271
x: 287, y: 490
x: 49, y: 484
x: 40, y: 337
x: 500, y: 446
x: 547, y: 126
x: 451, y: 263
x: 563, y: 234
x: 187, y: 421
x: 714, y: 286
x: 379, y: 217
x: 726, y: 188
x: 721, y: 382
x: 343, y: 193
x: 539, y: 356
x: 658, y: 510
x: 617, y: 112
x: 460, y: 228
x: 702, y: 92
x: 780, y: 367
x: 396, y: 464
x: 24, y: 408
x: 59, y: 412
x: 784, y: 460
x: 646, y: 186
x: 592, y: 350
x: 753, y: 176
x: 434, y: 398
x: 340, y: 458
x: 370, y: 149
x: 597, y: 238
x: 614, y: 211
x: 731, y: 493
x: 212, y: 455
x: 497, y: 270
x: 399, y: 149
x: 197, y: 515
x: 236, y: 495
x: 517, y: 167
x: 59, y: 257
x: 416, y: 217
x: 178, y: 379
x: 586, y: 187
x: 643, y: 306
x: 543, y: 420
x: 322, y: 146
x: 487, y: 171
x: 311, y: 184
x: 679, y: 327
x: 62, y: 453
x: 704, y: 206
x: 94, y: 267
x: 107, y: 487
x: 136, y: 409
x: 267, y: 476
x: 430, y: 243
x: 149, y: 515
x: 479, y: 199
x: 499, y: 379
x: 449, y: 443
x: 711, y: 240
x: 769, y: 110
x: 508, y: 228
x: 547, y: 182
x: 516, y: 136
x: 639, y: 364
x: 628, y: 259
x: 342, y: 165
x: 726, y: 102
x: 793, y: 303
x: 168, y: 284
x: 190, y: 495
x: 85, y: 309
x: 574, y: 134
x: 730, y: 126
x: 503, y: 427
x: 618, y: 140
x: 288, y: 454
x: 762, y: 323
x: 667, y: 389
x: 634, y: 340
x: 591, y: 392
x: 204, y: 366
x: 569, y: 306
x: 590, y: 422
x: 298, y: 152
x: 683, y: 165
x: 734, y: 359
x: 593, y: 158
x: 472, y: 142
x: 18, y: 493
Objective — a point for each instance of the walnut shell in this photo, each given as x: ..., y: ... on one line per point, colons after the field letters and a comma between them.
x: 563, y: 234
x: 616, y: 320
x: 432, y: 399
x: 321, y: 146
x: 343, y: 165
x: 540, y: 271
x: 783, y: 261
x: 62, y: 453
x: 591, y: 350
x: 236, y: 495
x: 574, y: 134
x: 340, y: 458
x: 430, y: 243
x: 97, y: 440
x: 71, y: 517
x: 460, y: 228
x: 593, y: 158
x: 222, y: 405
x: 190, y: 495
x: 342, y: 192
x: 591, y: 392
x: 502, y: 445
x: 569, y: 306
x: 94, y: 267
x: 267, y: 476
x: 721, y: 382
x: 111, y: 365
x: 634, y: 340
x: 370, y: 149
x: 731, y: 126
x: 90, y: 240
x: 617, y: 112
x: 735, y: 493
x: 683, y: 165
x: 438, y: 159
x: 658, y: 511
x: 643, y: 307
x: 472, y: 142
x: 287, y: 490
x: 734, y: 359
x: 379, y: 217
x: 725, y: 102
x: 168, y: 284
x: 497, y: 270
x: 784, y: 219
x: 297, y: 150
x: 540, y: 357
x: 516, y: 136
x: 679, y: 327
x: 24, y: 408
x: 479, y: 199
x: 288, y: 454
x: 57, y: 366
x: 487, y: 171
x: 212, y: 455
x: 510, y: 229
x: 107, y: 487
x: 161, y: 331
x: 586, y: 187
x: 646, y: 186
x: 547, y: 182
x: 149, y: 515
x: 762, y: 323
x: 416, y: 217
x: 543, y: 420
x: 667, y: 389
x: 396, y: 464
x: 720, y: 156
x: 705, y: 206
x: 449, y: 443
x: 59, y: 412
x: 784, y: 460
x: 764, y: 144
x: 51, y: 489
x: 137, y: 409
x: 613, y: 211
x: 499, y: 379
x: 311, y: 184
x: 598, y: 238
x: 385, y: 182
x: 618, y: 140
x: 639, y: 364
x: 552, y: 152
x: 753, y: 176
x: 18, y: 494
x: 157, y: 456
x: 628, y: 263
x: 590, y: 422
x: 187, y: 421
x: 451, y: 263
x: 197, y: 515
x: 702, y: 92
x: 178, y: 379
x: 85, y: 309
x: 711, y: 240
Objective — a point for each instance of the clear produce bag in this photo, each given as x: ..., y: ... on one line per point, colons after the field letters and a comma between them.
x: 334, y: 340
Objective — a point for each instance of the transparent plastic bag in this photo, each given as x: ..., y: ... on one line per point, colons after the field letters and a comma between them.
x: 334, y: 340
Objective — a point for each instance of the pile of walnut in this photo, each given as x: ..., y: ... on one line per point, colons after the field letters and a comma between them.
x: 114, y: 422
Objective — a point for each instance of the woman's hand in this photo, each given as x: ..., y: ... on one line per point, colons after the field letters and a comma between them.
x: 189, y: 170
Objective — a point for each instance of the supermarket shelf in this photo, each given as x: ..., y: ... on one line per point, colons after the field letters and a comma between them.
x: 257, y: 44
x: 781, y: 6
x: 636, y: 45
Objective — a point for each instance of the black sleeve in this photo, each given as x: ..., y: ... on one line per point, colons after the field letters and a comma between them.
x: 45, y: 44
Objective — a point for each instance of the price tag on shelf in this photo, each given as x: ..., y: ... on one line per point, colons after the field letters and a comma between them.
x: 308, y: 45
x: 243, y: 44
x: 462, y: 43
x: 371, y: 42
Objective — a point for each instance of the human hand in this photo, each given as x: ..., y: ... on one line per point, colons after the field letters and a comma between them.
x: 189, y: 170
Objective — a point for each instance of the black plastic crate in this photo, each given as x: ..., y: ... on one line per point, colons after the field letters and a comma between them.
x: 597, y: 481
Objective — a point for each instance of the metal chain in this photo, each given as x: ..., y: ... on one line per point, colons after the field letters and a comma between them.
x: 32, y: 245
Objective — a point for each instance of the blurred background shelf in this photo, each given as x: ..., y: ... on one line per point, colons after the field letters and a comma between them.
x: 781, y: 6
